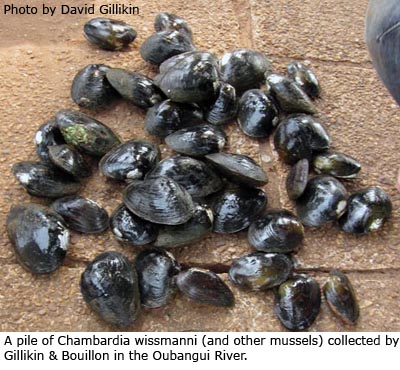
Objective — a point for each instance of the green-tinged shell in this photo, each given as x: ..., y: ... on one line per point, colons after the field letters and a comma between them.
x: 224, y: 108
x: 168, y: 21
x: 305, y: 78
x: 47, y: 135
x: 297, y: 179
x: 336, y: 164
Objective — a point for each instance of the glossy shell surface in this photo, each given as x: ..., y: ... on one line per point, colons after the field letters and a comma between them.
x: 305, y: 78
x: 168, y: 21
x: 336, y: 164
x: 47, y: 135
x: 297, y: 179
x: 224, y: 108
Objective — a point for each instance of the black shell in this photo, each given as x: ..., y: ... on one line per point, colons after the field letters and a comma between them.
x: 277, y: 230
x: 168, y: 21
x: 205, y: 287
x: 130, y: 160
x: 297, y: 179
x: 298, y: 302
x: 110, y: 287
x: 305, y: 78
x: 225, y: 107
x: 41, y: 180
x: 90, y: 87
x: 160, y: 200
x: 157, y: 270
x: 81, y: 214
x: 257, y: 115
x: 336, y: 164
x: 109, y: 34
x: 39, y: 237
x: 47, y: 135
x: 260, y: 271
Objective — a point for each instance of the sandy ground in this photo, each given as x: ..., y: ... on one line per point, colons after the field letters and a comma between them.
x: 39, y: 56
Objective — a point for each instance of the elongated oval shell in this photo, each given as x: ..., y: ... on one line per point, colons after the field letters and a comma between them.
x: 297, y: 179
x: 47, y: 135
x: 336, y: 164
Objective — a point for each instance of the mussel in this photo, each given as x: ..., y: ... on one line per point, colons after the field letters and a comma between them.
x: 305, y: 78
x: 297, y: 179
x: 168, y: 21
x: 336, y: 164
x: 47, y: 135
x: 224, y: 108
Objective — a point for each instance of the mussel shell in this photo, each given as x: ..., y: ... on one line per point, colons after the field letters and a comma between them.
x: 298, y: 302
x: 244, y: 69
x: 86, y: 133
x: 110, y: 287
x: 235, y: 209
x: 47, y: 135
x: 41, y: 180
x: 135, y: 87
x: 160, y: 200
x: 168, y: 21
x: 205, y: 287
x: 130, y: 160
x: 315, y: 131
x: 341, y: 297
x: 109, y: 34
x: 198, y: 179
x: 39, y: 237
x: 131, y: 229
x: 323, y: 201
x: 297, y: 179
x: 197, y: 141
x: 367, y: 210
x: 157, y: 270
x: 225, y: 107
x: 238, y: 168
x: 277, y: 230
x: 90, y: 87
x: 260, y: 271
x: 257, y: 115
x: 305, y: 78
x: 336, y: 164
x: 69, y: 160
x: 81, y: 214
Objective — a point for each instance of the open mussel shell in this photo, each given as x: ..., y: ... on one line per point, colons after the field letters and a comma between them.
x: 41, y: 180
x: 323, y: 201
x: 81, y: 214
x: 157, y: 270
x: 298, y: 302
x: 160, y: 200
x: 110, y: 287
x: 90, y: 87
x: 336, y: 164
x: 168, y: 21
x: 238, y: 168
x: 198, y: 179
x: 305, y: 78
x: 205, y: 287
x: 135, y: 87
x: 109, y: 34
x: 297, y: 179
x: 244, y: 69
x: 197, y: 141
x: 130, y: 160
x: 86, y: 133
x: 260, y: 271
x: 39, y: 236
x: 277, y: 230
x: 341, y: 297
x: 225, y: 107
x: 47, y: 135
x: 69, y: 160
x: 235, y: 209
x: 367, y: 210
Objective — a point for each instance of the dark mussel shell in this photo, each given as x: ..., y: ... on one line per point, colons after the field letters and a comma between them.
x: 277, y: 230
x: 39, y: 237
x: 109, y: 34
x: 41, y: 180
x: 260, y: 271
x: 81, y: 214
x: 90, y: 87
x: 110, y: 287
x: 163, y: 45
x: 205, y: 287
x: 235, y: 209
x: 367, y: 210
x: 160, y: 200
x: 197, y: 141
x: 257, y: 115
x: 290, y: 97
x: 225, y: 107
x: 47, y: 135
x: 298, y: 302
x: 86, y: 133
x: 131, y: 229
x: 297, y: 179
x: 130, y: 160
x: 157, y: 270
x: 135, y: 87
x: 167, y: 117
x: 238, y: 168
x: 198, y: 179
x: 336, y: 164
x: 168, y: 21
x: 323, y: 201
x: 341, y: 297
x: 194, y: 230
x: 69, y: 160
x: 244, y: 69
x: 305, y: 78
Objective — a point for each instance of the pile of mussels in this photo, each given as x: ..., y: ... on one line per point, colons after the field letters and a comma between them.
x: 178, y: 200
